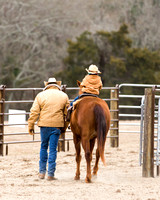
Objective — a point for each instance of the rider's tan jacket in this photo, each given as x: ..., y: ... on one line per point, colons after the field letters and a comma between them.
x: 49, y: 107
x: 91, y: 84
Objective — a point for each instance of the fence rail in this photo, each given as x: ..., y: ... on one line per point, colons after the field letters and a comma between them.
x: 117, y: 109
x: 114, y: 109
x: 131, y: 108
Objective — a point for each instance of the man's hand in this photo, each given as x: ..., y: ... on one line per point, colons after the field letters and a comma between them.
x: 31, y: 131
x: 63, y: 130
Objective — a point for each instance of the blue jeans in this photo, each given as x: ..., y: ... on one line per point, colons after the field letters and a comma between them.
x: 71, y: 104
x: 49, y: 138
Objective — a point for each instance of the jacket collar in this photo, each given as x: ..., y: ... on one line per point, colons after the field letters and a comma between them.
x: 53, y: 86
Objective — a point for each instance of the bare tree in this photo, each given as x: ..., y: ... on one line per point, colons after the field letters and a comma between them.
x: 33, y: 33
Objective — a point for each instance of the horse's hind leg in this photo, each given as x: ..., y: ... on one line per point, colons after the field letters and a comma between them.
x: 95, y: 169
x: 88, y: 155
x: 86, y: 146
x: 92, y: 143
x: 78, y: 156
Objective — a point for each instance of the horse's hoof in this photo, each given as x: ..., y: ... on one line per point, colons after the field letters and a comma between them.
x: 87, y: 180
x: 76, y: 178
x: 94, y: 177
x: 94, y: 174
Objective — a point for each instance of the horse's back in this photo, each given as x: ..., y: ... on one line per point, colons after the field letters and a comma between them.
x: 83, y: 116
x: 89, y: 103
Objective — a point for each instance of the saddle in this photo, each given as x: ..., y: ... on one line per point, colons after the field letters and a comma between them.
x: 69, y: 112
x: 82, y: 96
x: 87, y: 94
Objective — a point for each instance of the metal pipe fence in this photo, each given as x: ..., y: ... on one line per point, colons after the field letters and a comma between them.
x: 128, y: 111
x: 118, y: 108
x: 149, y: 153
x: 114, y: 129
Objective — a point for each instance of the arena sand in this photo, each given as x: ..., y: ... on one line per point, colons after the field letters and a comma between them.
x: 121, y: 179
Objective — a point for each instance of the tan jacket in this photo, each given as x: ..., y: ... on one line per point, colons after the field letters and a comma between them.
x: 91, y: 84
x: 50, y: 106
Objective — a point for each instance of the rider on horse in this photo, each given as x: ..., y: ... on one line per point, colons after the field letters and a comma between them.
x: 91, y: 84
x: 90, y: 122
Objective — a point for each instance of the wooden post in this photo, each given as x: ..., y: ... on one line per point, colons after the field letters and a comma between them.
x: 148, y: 147
x: 114, y: 108
x: 62, y: 142
x: 68, y: 145
x: 58, y: 146
x: 2, y: 93
x: 62, y: 136
x: 64, y: 88
x: 34, y: 95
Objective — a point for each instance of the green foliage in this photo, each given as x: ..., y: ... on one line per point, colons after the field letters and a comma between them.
x: 71, y: 76
x: 112, y: 52
x: 118, y: 40
x: 143, y: 65
x: 83, y: 48
x: 81, y: 53
x: 118, y: 64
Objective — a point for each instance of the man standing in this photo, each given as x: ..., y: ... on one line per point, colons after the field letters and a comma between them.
x: 50, y: 108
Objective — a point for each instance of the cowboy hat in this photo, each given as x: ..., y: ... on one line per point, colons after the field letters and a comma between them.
x: 93, y: 69
x: 52, y: 80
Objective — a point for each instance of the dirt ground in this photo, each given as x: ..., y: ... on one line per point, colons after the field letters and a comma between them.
x: 121, y: 179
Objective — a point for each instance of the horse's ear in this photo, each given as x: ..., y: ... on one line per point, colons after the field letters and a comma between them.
x: 78, y: 83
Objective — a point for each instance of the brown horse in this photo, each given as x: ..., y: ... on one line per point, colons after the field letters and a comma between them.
x: 90, y: 120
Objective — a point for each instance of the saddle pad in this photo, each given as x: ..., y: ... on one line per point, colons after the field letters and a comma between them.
x: 87, y: 94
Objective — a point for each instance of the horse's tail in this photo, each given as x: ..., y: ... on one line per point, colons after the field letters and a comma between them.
x: 101, y: 128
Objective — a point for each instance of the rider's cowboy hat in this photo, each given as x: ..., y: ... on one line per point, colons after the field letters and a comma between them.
x: 52, y: 80
x: 93, y: 69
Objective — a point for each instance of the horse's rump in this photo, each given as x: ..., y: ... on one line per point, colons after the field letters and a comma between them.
x: 90, y: 120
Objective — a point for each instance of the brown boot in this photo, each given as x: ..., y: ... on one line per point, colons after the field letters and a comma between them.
x: 41, y: 176
x: 51, y: 178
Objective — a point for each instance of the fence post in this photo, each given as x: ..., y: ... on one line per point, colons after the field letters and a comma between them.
x: 62, y: 142
x: 114, y: 108
x: 2, y: 96
x: 62, y: 136
x: 148, y: 147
